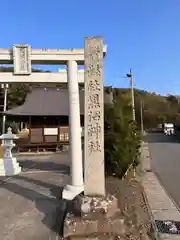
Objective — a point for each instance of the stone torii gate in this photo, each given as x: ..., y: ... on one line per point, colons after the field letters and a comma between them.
x: 23, y: 56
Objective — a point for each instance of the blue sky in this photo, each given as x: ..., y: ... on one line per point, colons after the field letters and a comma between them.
x: 142, y: 34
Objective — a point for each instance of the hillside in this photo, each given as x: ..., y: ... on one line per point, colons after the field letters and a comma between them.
x: 156, y: 108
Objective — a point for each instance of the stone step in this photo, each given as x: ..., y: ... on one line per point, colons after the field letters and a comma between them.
x: 11, y: 170
x: 77, y: 227
x: 95, y: 237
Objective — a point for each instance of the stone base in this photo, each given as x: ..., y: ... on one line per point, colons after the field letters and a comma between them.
x: 102, y: 207
x: 95, y: 229
x: 97, y: 216
x: 9, y: 167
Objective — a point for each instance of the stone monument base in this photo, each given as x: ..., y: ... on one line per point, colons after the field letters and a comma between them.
x: 93, y: 218
x: 9, y: 167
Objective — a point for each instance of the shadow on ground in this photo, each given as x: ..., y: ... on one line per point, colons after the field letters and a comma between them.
x: 52, y: 208
x: 49, y: 203
x: 43, y: 165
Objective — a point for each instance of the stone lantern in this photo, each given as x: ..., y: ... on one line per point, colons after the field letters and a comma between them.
x: 8, y: 164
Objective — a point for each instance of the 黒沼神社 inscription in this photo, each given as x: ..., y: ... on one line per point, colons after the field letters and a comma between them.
x: 21, y: 59
x: 94, y: 117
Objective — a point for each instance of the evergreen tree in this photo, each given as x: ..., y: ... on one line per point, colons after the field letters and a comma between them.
x: 122, y: 139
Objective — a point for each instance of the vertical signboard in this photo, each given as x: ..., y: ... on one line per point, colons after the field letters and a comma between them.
x: 94, y: 117
x: 21, y: 59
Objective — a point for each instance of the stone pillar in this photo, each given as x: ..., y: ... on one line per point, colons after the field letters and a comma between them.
x: 76, y: 187
x: 94, y: 183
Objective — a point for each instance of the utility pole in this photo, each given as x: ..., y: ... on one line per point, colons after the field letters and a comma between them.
x: 142, y: 122
x: 130, y: 76
x: 5, y: 87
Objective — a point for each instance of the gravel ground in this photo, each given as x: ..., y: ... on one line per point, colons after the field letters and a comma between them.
x: 134, y: 211
x: 129, y: 193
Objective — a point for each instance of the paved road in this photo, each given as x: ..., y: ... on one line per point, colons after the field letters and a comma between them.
x: 30, y: 202
x: 165, y: 154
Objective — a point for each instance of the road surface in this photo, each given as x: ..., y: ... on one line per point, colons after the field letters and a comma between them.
x: 165, y: 155
x: 31, y: 206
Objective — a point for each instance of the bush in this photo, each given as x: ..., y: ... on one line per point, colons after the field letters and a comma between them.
x: 11, y: 124
x: 122, y: 142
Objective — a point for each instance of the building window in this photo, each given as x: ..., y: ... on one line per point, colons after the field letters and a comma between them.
x: 64, y: 136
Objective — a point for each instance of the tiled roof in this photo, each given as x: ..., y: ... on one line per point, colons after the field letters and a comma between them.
x: 48, y: 101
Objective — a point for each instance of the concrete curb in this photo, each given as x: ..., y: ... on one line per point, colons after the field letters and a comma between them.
x: 40, y: 154
x: 145, y: 166
x: 160, y: 204
x: 33, y: 153
x: 155, y: 233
